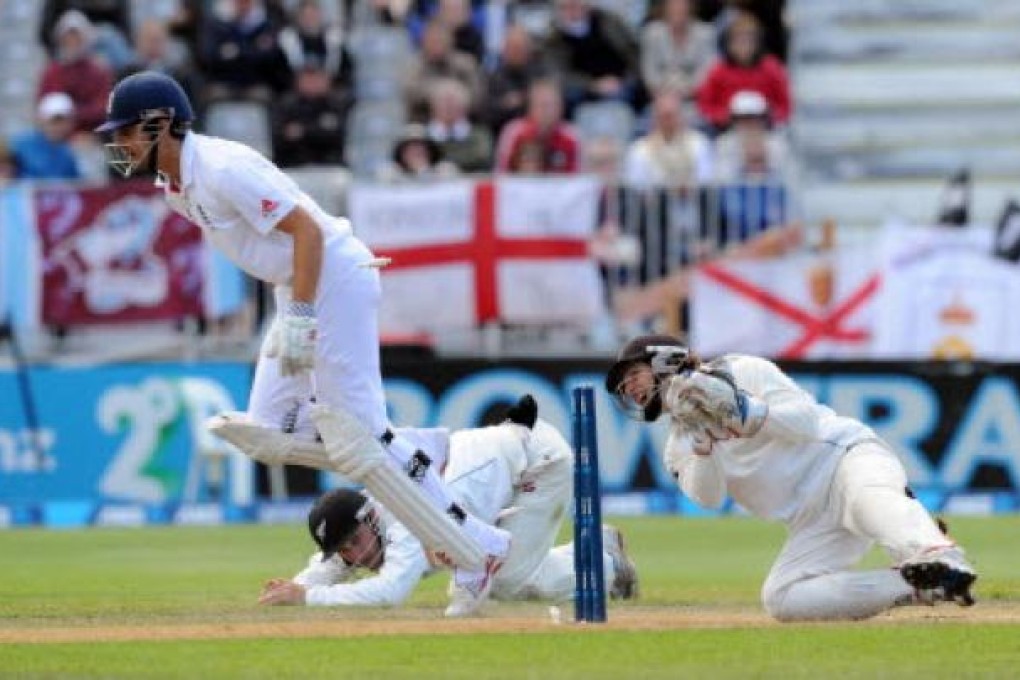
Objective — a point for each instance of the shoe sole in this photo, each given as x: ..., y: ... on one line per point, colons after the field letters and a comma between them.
x: 930, y: 575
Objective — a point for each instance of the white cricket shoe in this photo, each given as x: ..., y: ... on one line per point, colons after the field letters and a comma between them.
x: 941, y: 573
x: 625, y: 583
x: 469, y: 590
x: 265, y: 444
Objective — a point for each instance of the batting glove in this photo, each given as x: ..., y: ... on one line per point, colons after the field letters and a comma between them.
x: 298, y: 333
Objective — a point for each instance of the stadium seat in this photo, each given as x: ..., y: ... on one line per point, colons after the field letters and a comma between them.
x: 631, y: 11
x: 326, y: 184
x: 375, y: 120
x: 366, y: 157
x: 605, y: 119
x: 241, y: 121
x: 372, y: 47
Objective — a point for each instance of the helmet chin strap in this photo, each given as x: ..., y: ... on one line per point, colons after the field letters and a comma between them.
x: 120, y: 159
x: 157, y: 129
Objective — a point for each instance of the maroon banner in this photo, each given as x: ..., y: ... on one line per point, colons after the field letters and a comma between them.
x: 116, y: 254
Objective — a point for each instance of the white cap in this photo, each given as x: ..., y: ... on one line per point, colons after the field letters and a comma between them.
x: 748, y: 103
x: 72, y: 20
x: 55, y: 104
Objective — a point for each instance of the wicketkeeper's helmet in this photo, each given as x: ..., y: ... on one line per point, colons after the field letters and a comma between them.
x: 335, y: 517
x: 664, y: 354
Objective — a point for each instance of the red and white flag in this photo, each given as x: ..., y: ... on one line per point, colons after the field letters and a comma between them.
x: 467, y: 253
x: 794, y: 307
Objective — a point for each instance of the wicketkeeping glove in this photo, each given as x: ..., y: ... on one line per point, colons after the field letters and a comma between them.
x: 711, y: 399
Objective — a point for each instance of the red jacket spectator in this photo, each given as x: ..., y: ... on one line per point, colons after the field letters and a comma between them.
x: 85, y: 80
x: 539, y: 142
x: 744, y: 67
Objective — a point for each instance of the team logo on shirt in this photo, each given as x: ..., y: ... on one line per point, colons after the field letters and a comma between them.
x: 269, y: 207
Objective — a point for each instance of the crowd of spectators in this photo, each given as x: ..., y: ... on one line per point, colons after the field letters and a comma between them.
x: 486, y: 86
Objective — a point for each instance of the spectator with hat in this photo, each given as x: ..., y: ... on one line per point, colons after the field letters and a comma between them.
x: 45, y: 152
x: 750, y: 149
x: 416, y: 156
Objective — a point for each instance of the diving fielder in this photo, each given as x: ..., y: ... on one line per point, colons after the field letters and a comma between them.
x: 739, y: 425
x: 518, y: 474
x: 318, y: 374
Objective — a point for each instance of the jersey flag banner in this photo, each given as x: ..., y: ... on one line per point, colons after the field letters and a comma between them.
x: 794, y: 307
x: 510, y: 250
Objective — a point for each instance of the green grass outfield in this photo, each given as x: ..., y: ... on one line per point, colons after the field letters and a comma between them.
x: 142, y: 584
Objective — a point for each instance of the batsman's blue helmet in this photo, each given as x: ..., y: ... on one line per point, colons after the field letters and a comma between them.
x: 144, y: 96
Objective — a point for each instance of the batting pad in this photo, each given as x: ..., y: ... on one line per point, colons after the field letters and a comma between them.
x: 358, y: 455
x: 268, y: 445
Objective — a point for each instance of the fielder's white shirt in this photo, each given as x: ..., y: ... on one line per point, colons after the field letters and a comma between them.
x: 404, y: 564
x: 787, y: 466
x: 237, y: 197
x: 476, y: 459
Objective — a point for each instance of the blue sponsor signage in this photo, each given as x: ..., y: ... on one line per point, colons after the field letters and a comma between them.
x: 124, y: 433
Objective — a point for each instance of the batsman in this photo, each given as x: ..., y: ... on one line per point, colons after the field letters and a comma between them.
x: 740, y: 426
x: 317, y: 397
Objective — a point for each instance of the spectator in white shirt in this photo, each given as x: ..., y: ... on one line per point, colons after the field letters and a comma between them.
x: 672, y: 155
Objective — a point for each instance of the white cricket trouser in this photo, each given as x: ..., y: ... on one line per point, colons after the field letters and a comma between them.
x: 530, y: 476
x: 347, y: 371
x: 867, y: 504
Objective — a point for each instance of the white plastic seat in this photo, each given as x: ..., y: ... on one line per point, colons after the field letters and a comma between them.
x: 241, y: 121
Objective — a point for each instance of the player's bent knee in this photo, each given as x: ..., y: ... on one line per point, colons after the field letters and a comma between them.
x: 776, y: 605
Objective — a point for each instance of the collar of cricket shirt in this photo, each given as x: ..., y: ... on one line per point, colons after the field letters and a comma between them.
x: 187, y: 159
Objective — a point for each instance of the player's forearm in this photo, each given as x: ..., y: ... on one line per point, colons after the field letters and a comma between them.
x: 307, y: 261
x: 701, y: 480
x: 308, y: 245
x: 374, y: 591
x: 699, y: 476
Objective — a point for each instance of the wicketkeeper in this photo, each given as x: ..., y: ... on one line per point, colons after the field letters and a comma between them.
x: 739, y: 425
x: 518, y: 474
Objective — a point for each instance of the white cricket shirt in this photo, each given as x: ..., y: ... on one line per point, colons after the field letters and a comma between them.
x: 237, y: 197
x: 404, y: 564
x: 785, y: 467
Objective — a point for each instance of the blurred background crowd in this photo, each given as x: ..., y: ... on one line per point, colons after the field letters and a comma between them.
x: 654, y: 92
x: 658, y: 99
x: 714, y: 128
